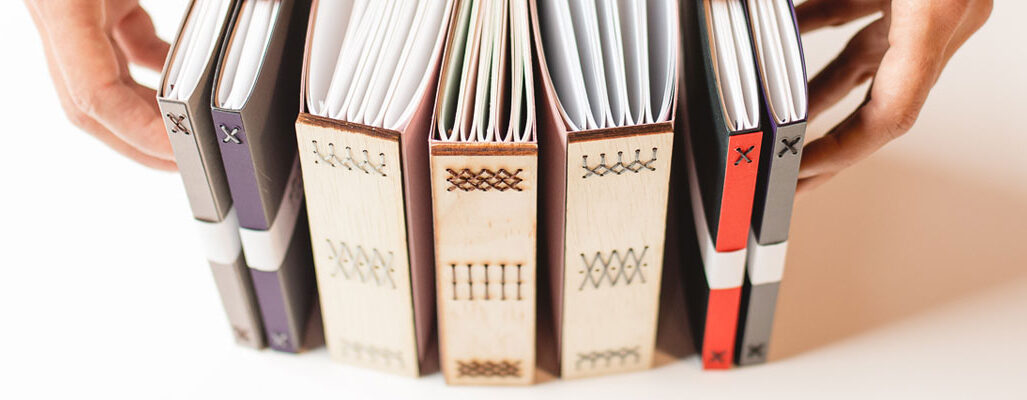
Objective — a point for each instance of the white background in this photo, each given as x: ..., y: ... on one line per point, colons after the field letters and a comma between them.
x: 906, y: 275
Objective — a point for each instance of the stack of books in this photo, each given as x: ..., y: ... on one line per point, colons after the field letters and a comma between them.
x: 439, y: 180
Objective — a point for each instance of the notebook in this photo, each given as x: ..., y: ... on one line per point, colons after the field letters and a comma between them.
x: 782, y: 78
x: 484, y: 171
x: 369, y: 84
x: 723, y: 143
x: 609, y: 74
x: 252, y: 109
x: 184, y: 101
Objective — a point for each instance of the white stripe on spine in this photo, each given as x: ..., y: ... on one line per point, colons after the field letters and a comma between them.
x: 265, y: 250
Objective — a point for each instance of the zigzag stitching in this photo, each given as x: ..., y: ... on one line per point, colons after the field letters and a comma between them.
x: 501, y: 369
x: 621, y: 354
x: 630, y: 261
x: 636, y: 166
x: 484, y: 180
x: 373, y: 354
x: 349, y: 265
x: 349, y: 162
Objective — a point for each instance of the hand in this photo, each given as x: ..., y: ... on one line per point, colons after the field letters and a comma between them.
x: 904, y: 52
x: 89, y: 44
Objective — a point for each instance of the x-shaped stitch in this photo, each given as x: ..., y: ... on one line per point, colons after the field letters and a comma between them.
x: 230, y: 136
x: 756, y: 350
x: 241, y: 333
x: 717, y: 357
x: 177, y: 122
x: 789, y: 146
x: 743, y: 155
x: 280, y: 339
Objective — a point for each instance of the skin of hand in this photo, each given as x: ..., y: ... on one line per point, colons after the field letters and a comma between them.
x: 89, y: 45
x: 904, y: 52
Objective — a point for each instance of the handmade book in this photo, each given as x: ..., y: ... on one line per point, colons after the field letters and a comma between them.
x: 484, y: 176
x: 609, y: 74
x: 723, y: 143
x: 369, y: 84
x: 184, y: 101
x: 782, y: 81
x: 253, y: 113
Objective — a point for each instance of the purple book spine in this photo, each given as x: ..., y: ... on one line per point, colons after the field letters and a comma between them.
x: 242, y: 180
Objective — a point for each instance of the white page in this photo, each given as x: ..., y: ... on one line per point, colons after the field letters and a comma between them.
x: 793, y: 57
x: 258, y: 35
x: 483, y: 84
x: 335, y: 21
x: 636, y: 56
x: 613, y: 57
x: 663, y: 48
x: 452, y: 78
x: 522, y: 99
x: 424, y: 48
x: 768, y: 48
x: 497, y: 107
x: 352, y: 47
x: 182, y: 46
x: 468, y: 80
x: 232, y: 59
x: 204, y: 46
x: 365, y: 66
x: 392, y: 46
x: 586, y: 32
x: 564, y: 63
x: 736, y: 72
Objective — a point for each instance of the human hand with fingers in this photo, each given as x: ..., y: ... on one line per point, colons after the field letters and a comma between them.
x: 89, y: 45
x: 903, y: 52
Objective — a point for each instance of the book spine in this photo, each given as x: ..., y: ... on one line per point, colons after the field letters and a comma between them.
x: 199, y: 164
x: 242, y: 180
x: 281, y: 269
x: 485, y: 230
x: 616, y: 212
x: 775, y: 187
x: 740, y: 172
x: 354, y: 189
x: 764, y: 269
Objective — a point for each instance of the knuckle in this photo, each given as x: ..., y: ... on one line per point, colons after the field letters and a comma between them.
x: 90, y: 99
x: 900, y: 119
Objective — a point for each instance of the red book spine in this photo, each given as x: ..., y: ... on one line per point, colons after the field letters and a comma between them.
x: 743, y: 163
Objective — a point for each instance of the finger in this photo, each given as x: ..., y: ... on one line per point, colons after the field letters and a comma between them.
x: 908, y: 71
x: 138, y: 39
x: 854, y: 65
x: 96, y: 84
x: 816, y: 14
x: 806, y: 185
x: 86, y: 123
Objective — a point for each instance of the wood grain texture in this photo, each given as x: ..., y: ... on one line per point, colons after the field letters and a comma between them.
x: 354, y: 191
x: 485, y: 232
x: 615, y: 224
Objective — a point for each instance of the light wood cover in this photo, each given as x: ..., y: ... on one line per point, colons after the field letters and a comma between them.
x: 617, y: 191
x: 358, y: 233
x: 485, y: 215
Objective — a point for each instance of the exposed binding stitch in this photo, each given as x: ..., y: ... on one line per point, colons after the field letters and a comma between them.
x: 230, y: 135
x: 371, y: 354
x: 626, y: 266
x: 790, y: 146
x: 333, y: 160
x: 717, y: 357
x: 177, y: 123
x: 482, y: 283
x: 636, y: 166
x: 489, y: 369
x: 360, y: 264
x: 743, y: 155
x: 280, y: 339
x: 755, y: 351
x: 484, y: 180
x: 241, y: 334
x: 606, y: 358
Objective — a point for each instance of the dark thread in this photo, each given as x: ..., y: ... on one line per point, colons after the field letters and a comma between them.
x: 790, y: 145
x: 349, y: 162
x: 613, y: 268
x: 623, y: 355
x: 484, y: 180
x: 743, y: 155
x: 489, y: 369
x: 636, y: 166
x: 177, y: 123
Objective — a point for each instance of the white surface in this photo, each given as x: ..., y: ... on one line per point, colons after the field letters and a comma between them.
x: 106, y: 292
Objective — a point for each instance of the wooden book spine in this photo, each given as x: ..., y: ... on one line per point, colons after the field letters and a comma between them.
x: 485, y: 207
x: 354, y: 188
x: 617, y: 187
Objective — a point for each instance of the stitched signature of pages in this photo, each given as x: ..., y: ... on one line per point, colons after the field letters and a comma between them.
x: 359, y: 263
x: 499, y: 369
x: 331, y: 158
x: 619, y: 167
x: 484, y: 180
x: 613, y: 268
